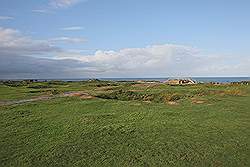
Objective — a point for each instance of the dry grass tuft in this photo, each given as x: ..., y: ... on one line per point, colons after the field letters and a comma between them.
x: 173, y: 97
x: 234, y: 92
x: 197, y: 101
x: 82, y: 95
x: 172, y: 103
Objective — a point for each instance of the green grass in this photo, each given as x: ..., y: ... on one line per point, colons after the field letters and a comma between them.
x: 127, y: 132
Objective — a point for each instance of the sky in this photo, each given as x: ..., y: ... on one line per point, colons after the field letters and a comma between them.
x: 124, y: 38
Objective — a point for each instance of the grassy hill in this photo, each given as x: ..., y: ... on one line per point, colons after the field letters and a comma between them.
x: 124, y: 124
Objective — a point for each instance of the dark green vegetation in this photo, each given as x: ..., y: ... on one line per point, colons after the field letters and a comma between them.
x: 125, y: 124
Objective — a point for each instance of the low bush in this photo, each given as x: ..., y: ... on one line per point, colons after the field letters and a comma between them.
x: 234, y: 92
x: 15, y: 83
x: 126, y: 95
x: 55, y: 91
x: 174, y: 97
x: 48, y: 91
x: 39, y: 86
x: 57, y: 83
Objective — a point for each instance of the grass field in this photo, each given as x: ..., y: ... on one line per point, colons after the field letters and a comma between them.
x: 125, y: 124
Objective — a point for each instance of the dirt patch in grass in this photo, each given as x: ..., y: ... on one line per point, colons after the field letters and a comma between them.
x: 85, y: 96
x: 141, y: 85
x: 234, y: 92
x: 174, y: 103
x: 136, y: 104
x: 135, y: 90
x: 197, y: 101
x: 82, y: 95
x: 39, y: 98
x: 174, y: 97
x: 2, y: 103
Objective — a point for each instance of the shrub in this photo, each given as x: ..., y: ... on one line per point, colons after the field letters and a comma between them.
x: 201, y: 92
x: 234, y: 92
x: 15, y: 83
x: 57, y: 83
x: 126, y: 95
x: 54, y: 92
x: 39, y: 86
x: 174, y: 97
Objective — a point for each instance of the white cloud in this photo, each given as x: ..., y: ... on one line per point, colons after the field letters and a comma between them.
x: 159, y: 61
x: 152, y: 58
x: 73, y: 28
x: 63, y: 3
x: 57, y: 4
x: 68, y: 40
x: 18, y: 67
x: 12, y: 42
x: 18, y: 58
x: 42, y: 11
x: 6, y: 18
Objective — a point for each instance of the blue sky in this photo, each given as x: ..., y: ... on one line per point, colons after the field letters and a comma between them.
x: 98, y: 35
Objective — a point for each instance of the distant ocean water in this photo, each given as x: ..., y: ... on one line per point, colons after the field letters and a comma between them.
x: 198, y: 79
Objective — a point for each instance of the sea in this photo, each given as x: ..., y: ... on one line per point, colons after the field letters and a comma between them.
x: 197, y: 79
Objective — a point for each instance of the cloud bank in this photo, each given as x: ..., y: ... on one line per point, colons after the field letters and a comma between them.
x: 6, y: 18
x: 63, y: 3
x: 21, y: 57
x: 68, y: 40
x: 12, y: 42
x: 161, y: 61
x: 73, y: 28
x: 53, y: 5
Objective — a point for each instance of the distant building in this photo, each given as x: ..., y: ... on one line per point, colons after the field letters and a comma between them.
x: 180, y: 82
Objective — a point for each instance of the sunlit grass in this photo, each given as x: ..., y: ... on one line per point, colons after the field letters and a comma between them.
x: 69, y: 131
